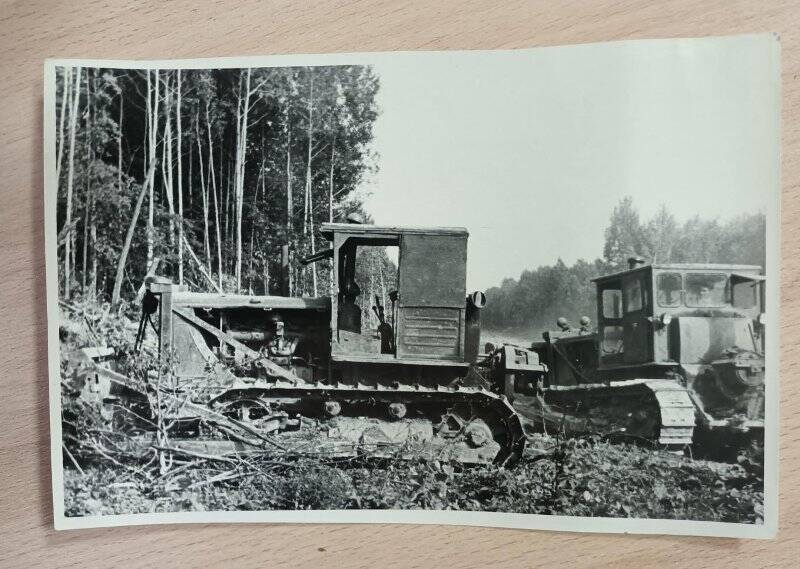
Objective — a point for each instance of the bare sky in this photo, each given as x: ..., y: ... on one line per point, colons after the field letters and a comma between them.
x: 530, y: 150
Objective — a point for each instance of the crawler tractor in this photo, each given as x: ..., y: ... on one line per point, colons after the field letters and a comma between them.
x: 307, y: 375
x: 677, y: 358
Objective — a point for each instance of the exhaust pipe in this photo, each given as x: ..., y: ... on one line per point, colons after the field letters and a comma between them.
x: 634, y: 262
x: 472, y: 324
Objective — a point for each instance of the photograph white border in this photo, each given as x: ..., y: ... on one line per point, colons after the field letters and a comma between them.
x: 502, y: 520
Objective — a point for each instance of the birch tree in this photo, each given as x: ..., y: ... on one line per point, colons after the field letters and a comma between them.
x: 152, y: 130
x: 214, y: 193
x: 308, y: 214
x: 204, y: 197
x: 89, y: 227
x: 242, y: 115
x: 73, y: 119
x: 166, y: 157
x: 180, y: 177
x: 65, y: 92
x: 289, y: 203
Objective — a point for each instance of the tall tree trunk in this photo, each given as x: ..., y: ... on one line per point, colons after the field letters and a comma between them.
x: 180, y: 178
x: 190, y: 184
x: 93, y: 245
x: 167, y: 163
x: 241, y: 161
x: 92, y: 205
x: 264, y: 180
x: 67, y: 83
x: 214, y: 192
x: 119, y: 158
x: 204, y: 195
x: 330, y: 205
x: 264, y: 258
x: 330, y: 180
x: 237, y: 267
x: 152, y: 126
x: 227, y: 180
x: 147, y: 185
x: 87, y: 205
x: 289, y: 204
x: 73, y: 118
x: 308, y: 218
x: 266, y: 275
x: 89, y: 222
x: 250, y: 265
x: 119, y: 142
x: 259, y: 188
x: 149, y: 143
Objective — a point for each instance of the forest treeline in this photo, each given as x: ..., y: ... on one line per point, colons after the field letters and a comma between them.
x: 201, y: 175
x: 535, y: 300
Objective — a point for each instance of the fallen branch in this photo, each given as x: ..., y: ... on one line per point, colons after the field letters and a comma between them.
x: 200, y: 265
x: 178, y: 450
x: 66, y: 230
x: 181, y: 468
x: 123, y: 256
x: 234, y: 435
x: 225, y: 476
x: 72, y: 458
x: 151, y: 271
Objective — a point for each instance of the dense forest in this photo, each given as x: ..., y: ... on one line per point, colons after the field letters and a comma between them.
x: 532, y: 303
x: 201, y: 175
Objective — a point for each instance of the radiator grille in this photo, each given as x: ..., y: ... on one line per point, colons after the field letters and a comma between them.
x: 430, y: 332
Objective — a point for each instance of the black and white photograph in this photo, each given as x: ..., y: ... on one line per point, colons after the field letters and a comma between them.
x: 532, y: 288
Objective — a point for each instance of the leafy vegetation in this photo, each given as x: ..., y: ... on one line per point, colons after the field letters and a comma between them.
x: 577, y: 477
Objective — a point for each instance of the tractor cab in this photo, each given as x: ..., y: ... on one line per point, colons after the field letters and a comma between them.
x: 659, y: 315
x: 399, y: 294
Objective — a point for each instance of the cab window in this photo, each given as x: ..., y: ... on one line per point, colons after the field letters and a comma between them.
x: 632, y: 290
x: 706, y: 290
x: 745, y: 294
x: 611, y: 329
x: 612, y: 340
x: 669, y: 289
x: 612, y: 303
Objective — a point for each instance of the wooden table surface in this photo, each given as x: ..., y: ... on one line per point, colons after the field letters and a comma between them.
x: 33, y: 30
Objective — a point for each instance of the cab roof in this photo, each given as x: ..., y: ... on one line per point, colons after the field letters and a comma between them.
x: 328, y: 229
x: 684, y: 267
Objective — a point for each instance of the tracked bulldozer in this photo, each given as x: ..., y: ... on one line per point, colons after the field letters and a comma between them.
x: 677, y: 359
x: 312, y: 376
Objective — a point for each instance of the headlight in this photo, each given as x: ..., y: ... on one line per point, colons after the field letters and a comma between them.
x: 478, y: 299
x: 666, y: 318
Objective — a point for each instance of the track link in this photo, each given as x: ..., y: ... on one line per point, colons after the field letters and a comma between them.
x: 473, y: 403
x: 659, y: 410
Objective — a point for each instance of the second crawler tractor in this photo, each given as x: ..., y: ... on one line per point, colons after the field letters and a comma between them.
x: 677, y: 359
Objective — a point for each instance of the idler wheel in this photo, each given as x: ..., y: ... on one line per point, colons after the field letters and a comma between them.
x: 246, y: 410
x: 332, y: 408
x: 478, y: 434
x: 397, y: 410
